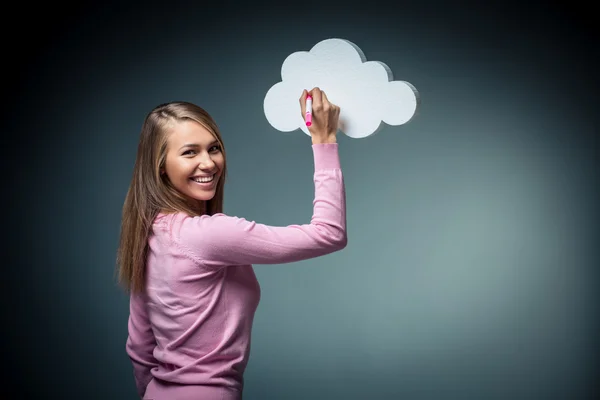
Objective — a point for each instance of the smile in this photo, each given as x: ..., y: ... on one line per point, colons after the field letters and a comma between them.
x: 203, y: 179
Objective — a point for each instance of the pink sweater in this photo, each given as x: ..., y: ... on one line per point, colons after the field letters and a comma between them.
x: 193, y: 326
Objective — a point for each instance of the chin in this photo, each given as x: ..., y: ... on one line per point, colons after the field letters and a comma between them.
x: 203, y: 196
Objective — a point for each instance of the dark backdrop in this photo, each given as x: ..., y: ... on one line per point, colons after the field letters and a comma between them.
x: 471, y: 266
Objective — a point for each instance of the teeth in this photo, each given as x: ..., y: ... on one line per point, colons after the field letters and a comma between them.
x: 204, y: 179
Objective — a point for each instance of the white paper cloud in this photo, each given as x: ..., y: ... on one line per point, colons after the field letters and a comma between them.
x: 365, y: 90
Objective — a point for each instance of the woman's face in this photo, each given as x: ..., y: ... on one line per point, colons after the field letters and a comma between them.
x: 194, y: 161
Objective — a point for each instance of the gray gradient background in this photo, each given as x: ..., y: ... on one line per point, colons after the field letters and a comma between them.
x: 470, y: 269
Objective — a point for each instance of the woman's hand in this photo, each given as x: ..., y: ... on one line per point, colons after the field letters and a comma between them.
x: 325, y: 116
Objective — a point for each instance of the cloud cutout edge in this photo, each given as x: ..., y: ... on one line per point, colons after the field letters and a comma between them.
x: 365, y: 90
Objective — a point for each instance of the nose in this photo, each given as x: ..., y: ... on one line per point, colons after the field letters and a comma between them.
x: 205, y: 162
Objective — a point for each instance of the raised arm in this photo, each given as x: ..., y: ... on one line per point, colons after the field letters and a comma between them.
x: 222, y: 240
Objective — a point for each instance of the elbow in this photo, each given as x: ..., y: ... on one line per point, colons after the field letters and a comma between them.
x: 340, y: 240
x: 332, y: 238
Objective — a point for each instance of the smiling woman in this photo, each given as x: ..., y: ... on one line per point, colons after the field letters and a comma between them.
x: 194, y: 161
x: 188, y: 266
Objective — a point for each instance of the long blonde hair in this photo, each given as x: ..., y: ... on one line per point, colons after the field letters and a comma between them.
x: 151, y: 192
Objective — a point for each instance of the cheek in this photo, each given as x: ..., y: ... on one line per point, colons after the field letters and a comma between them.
x: 220, y: 161
x: 174, y: 169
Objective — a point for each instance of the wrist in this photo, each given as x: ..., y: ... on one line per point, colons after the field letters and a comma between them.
x: 325, y: 140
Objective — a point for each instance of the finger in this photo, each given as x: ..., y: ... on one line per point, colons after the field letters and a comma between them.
x: 326, y: 103
x: 303, y: 102
x: 317, y: 98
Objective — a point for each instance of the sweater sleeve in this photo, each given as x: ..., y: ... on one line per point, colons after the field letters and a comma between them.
x: 220, y: 240
x: 140, y: 343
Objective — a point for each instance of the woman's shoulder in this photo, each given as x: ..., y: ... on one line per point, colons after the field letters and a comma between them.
x: 179, y: 218
x: 180, y: 215
x: 183, y: 228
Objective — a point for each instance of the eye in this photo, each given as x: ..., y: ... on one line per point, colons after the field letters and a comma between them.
x: 188, y: 152
x: 216, y: 148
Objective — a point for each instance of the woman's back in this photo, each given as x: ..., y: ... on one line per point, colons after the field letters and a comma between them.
x: 201, y: 317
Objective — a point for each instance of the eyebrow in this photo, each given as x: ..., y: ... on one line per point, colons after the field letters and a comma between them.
x: 196, y: 145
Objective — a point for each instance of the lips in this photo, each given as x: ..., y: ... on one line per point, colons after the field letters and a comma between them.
x: 203, y: 179
x: 205, y: 182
